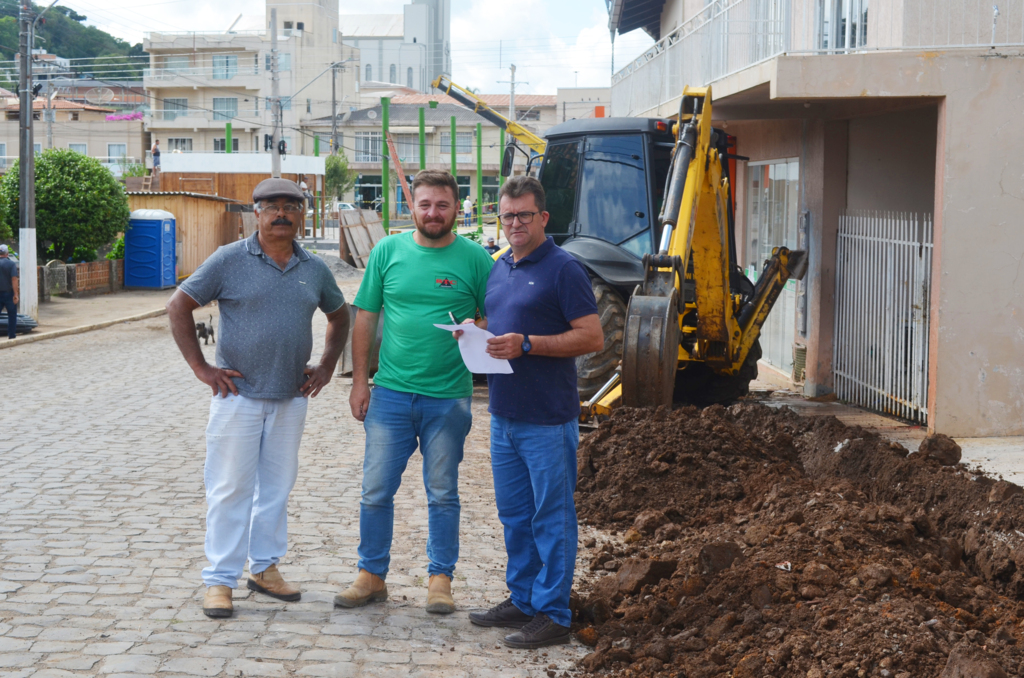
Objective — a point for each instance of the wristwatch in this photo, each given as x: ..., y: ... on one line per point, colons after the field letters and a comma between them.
x: 526, y: 344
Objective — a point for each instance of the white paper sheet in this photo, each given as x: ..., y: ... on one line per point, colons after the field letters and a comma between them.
x: 473, y: 346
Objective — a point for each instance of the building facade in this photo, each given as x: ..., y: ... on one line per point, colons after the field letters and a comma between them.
x: 197, y: 82
x: 886, y: 141
x: 409, y: 49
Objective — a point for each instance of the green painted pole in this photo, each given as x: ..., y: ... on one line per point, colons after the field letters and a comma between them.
x: 423, y: 140
x: 316, y: 147
x: 227, y: 137
x: 479, y: 174
x: 385, y: 165
x: 454, y: 168
x: 501, y: 155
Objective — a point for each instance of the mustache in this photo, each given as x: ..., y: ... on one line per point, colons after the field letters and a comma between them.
x: 281, y: 221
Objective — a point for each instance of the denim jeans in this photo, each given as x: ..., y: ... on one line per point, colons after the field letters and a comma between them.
x: 395, y: 423
x: 534, y: 470
x: 7, y: 302
x: 252, y: 460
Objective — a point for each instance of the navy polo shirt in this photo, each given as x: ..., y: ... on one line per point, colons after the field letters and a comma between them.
x: 538, y: 295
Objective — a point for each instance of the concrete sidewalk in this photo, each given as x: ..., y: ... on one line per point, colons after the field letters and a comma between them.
x: 61, y: 313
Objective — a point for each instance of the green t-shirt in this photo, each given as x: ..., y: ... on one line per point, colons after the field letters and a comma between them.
x: 418, y: 286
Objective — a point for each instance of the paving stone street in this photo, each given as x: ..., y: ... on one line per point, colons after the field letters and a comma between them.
x: 101, y: 543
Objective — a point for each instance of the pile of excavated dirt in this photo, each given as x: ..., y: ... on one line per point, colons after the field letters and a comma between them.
x: 752, y: 542
x: 341, y: 269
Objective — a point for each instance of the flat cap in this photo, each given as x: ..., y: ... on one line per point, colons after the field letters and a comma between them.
x: 276, y: 188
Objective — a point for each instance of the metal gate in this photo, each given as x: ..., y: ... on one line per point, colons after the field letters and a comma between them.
x: 883, y: 278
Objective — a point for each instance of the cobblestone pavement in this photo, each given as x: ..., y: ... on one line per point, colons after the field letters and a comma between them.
x: 101, y: 540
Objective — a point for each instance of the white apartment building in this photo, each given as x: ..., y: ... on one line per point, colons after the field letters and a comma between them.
x: 198, y: 82
x: 409, y: 49
x: 886, y: 138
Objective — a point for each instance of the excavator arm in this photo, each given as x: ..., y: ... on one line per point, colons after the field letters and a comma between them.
x: 712, y: 333
x: 470, y: 100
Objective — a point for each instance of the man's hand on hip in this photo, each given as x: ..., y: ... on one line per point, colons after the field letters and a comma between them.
x: 359, y: 400
x: 217, y: 379
x: 506, y: 347
x: 319, y: 377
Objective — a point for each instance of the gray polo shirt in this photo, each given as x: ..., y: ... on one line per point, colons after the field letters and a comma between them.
x: 266, y: 313
x: 8, y: 270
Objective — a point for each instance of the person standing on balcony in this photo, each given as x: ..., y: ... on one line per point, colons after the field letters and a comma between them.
x: 156, y: 156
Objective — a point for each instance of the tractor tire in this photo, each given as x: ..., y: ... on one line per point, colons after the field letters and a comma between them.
x: 595, y: 369
x: 698, y: 385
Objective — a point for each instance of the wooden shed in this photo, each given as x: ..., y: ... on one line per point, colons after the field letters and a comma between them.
x: 203, y: 223
x: 234, y: 186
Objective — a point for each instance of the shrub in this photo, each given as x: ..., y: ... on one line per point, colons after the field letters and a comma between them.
x: 79, y: 203
x: 118, y: 251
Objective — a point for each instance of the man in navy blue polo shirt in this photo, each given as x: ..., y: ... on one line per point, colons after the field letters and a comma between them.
x: 542, y: 310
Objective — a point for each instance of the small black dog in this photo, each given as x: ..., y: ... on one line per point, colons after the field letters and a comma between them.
x: 205, y: 331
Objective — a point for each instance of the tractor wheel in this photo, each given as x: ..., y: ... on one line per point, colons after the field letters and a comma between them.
x: 698, y: 385
x: 594, y: 369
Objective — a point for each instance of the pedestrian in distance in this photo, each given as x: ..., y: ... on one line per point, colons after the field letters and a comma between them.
x: 542, y: 311
x: 267, y: 289
x: 10, y: 291
x: 467, y: 210
x: 155, y: 151
x: 422, y: 389
x: 491, y: 247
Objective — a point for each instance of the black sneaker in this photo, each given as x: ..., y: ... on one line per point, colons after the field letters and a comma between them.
x: 540, y: 632
x: 504, y: 614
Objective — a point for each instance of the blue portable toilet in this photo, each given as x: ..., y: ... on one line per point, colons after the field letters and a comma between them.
x: 150, y: 257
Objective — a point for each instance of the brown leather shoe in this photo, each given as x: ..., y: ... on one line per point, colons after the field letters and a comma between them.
x: 270, y: 582
x: 439, y: 595
x: 367, y: 588
x: 217, y: 602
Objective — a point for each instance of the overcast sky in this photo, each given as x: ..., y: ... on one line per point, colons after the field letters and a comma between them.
x: 553, y: 44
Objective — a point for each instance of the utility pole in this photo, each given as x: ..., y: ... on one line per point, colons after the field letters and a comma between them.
x: 334, y: 109
x: 27, y: 171
x: 385, y: 123
x: 512, y: 96
x: 275, y: 96
x: 49, y: 113
x: 479, y: 174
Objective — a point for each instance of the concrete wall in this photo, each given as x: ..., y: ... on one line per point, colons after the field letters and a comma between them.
x: 976, y: 376
x: 892, y: 161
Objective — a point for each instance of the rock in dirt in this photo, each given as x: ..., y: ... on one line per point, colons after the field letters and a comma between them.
x: 1003, y: 490
x: 719, y: 556
x: 635, y: 574
x: 970, y: 661
x: 649, y: 521
x: 941, y: 448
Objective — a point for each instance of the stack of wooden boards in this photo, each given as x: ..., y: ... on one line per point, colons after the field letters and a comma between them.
x: 359, y: 231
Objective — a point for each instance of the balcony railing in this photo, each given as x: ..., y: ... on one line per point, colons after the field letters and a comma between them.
x: 728, y: 36
x: 200, y: 72
x: 168, y: 115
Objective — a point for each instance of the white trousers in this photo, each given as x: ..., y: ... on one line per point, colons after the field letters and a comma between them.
x: 252, y: 460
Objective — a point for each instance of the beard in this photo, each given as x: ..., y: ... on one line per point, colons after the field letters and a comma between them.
x: 435, y: 229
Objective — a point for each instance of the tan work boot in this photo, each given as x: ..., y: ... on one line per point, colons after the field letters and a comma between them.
x: 439, y: 595
x: 367, y: 588
x: 217, y: 602
x: 270, y: 582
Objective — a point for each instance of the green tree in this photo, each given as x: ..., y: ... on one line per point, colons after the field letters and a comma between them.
x: 338, y: 177
x: 79, y: 203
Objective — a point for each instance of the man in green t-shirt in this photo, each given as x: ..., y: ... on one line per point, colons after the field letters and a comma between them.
x: 422, y: 389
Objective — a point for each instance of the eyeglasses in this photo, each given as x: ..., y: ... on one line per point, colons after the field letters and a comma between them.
x: 288, y: 209
x: 525, y: 218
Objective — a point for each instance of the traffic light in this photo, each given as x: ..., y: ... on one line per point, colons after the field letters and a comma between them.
x: 282, y: 147
x: 268, y: 142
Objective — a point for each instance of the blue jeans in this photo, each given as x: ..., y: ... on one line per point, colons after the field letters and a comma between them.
x: 395, y: 424
x: 7, y: 302
x: 534, y: 470
x: 468, y: 219
x: 252, y: 460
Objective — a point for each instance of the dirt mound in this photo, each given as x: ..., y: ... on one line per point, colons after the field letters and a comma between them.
x: 758, y: 542
x: 340, y: 269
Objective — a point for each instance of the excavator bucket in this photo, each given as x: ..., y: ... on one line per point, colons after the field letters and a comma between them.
x: 650, y: 351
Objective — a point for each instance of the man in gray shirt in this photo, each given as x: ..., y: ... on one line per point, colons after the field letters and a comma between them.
x: 267, y: 289
x: 9, y: 290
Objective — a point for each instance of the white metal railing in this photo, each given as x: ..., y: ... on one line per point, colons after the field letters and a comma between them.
x: 203, y: 72
x: 227, y: 115
x: 883, y: 280
x: 728, y: 36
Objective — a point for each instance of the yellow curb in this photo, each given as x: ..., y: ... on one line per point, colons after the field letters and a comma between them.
x: 79, y: 330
